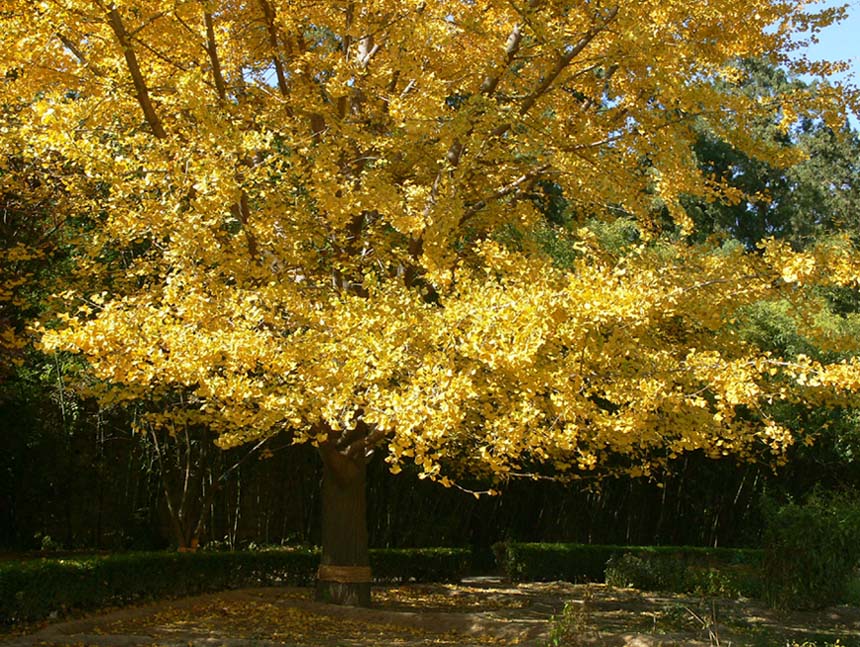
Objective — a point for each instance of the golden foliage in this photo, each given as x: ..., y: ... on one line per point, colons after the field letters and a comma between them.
x: 295, y: 212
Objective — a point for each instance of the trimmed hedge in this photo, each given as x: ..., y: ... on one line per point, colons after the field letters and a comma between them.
x: 419, y: 564
x: 524, y: 562
x: 680, y: 568
x: 686, y: 574
x: 35, y: 589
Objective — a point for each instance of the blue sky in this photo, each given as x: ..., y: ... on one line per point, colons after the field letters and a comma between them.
x: 841, y: 41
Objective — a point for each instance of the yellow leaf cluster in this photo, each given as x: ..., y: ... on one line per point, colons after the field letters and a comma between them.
x: 296, y: 212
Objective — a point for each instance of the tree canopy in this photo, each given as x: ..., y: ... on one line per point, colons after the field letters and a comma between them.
x: 324, y: 218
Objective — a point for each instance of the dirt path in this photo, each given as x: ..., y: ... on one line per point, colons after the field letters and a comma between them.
x: 402, y: 617
x: 472, y: 614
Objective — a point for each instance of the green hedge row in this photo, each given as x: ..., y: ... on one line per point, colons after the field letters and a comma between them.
x: 672, y: 572
x: 681, y: 568
x: 419, y: 564
x: 35, y: 589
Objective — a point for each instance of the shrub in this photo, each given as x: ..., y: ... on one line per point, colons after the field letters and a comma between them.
x: 811, y: 551
x: 574, y: 626
x: 646, y: 572
x: 725, y: 580
x: 727, y: 571
x: 35, y: 589
x: 419, y: 564
x: 685, y: 573
x: 545, y: 562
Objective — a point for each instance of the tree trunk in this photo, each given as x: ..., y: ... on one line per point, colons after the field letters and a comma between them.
x: 344, y: 573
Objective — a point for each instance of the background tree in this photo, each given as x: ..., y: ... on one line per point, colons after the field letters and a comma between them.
x: 802, y: 204
x: 305, y: 215
x: 816, y: 196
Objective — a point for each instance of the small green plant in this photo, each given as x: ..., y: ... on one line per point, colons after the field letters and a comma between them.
x: 682, y: 617
x: 724, y: 580
x: 646, y: 572
x: 574, y: 627
x: 707, y: 621
x: 674, y: 617
x: 46, y: 542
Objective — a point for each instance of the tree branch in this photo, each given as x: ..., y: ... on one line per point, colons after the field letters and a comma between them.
x: 564, y: 60
x: 146, y: 23
x: 503, y: 191
x: 241, y: 211
x: 512, y: 46
x: 141, y: 90
x: 271, y: 28
x: 212, y: 49
x: 78, y: 53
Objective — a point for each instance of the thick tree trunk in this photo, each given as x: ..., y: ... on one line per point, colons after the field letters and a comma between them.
x: 344, y: 573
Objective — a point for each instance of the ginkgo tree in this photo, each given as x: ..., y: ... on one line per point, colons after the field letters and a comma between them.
x: 317, y: 218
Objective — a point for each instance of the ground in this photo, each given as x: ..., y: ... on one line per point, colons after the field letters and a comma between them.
x: 478, y: 612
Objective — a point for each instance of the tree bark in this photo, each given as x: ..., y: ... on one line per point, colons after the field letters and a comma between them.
x: 344, y: 573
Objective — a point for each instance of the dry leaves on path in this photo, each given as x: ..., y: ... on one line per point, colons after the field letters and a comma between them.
x: 471, y: 614
x: 288, y: 616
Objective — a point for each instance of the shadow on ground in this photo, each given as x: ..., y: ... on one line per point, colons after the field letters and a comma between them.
x: 477, y: 612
